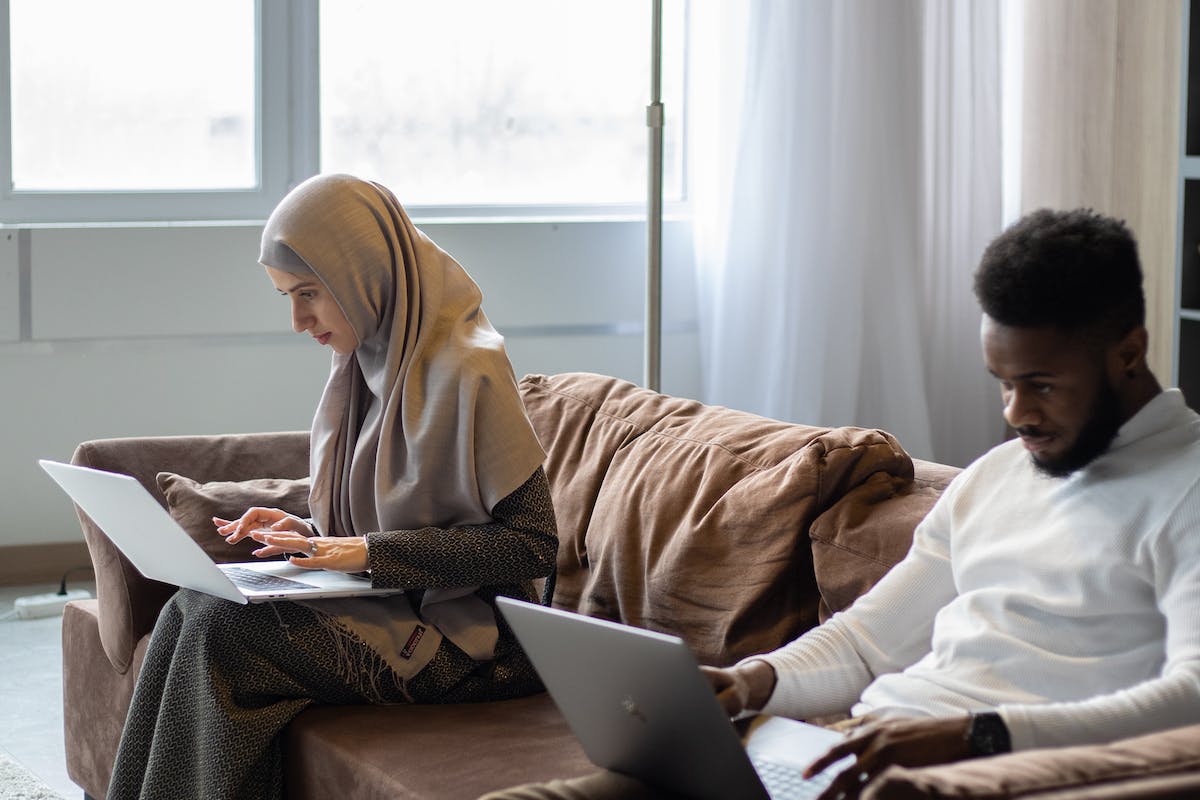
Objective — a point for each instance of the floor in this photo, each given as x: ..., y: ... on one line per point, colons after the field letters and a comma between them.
x: 31, y: 722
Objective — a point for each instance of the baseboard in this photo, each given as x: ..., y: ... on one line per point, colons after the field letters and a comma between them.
x: 44, y: 563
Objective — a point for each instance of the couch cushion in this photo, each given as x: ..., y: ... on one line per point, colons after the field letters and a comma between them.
x: 452, y: 751
x: 193, y: 505
x: 1144, y: 766
x: 693, y: 519
x: 868, y: 530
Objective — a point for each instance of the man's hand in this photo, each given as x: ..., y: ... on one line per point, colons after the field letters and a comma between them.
x: 904, y: 742
x: 745, y: 687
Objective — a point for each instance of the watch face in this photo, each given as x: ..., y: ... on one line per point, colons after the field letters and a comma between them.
x: 988, y: 735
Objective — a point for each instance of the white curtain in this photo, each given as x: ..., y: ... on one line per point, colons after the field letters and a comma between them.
x: 846, y: 176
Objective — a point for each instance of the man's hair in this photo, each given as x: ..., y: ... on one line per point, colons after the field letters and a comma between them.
x: 1076, y: 271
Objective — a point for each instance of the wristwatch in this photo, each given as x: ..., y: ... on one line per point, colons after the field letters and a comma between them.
x: 987, y: 735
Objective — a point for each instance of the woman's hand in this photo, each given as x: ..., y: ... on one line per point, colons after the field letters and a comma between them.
x: 340, y: 553
x: 272, y: 519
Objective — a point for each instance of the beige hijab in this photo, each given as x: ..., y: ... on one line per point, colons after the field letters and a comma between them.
x: 422, y: 425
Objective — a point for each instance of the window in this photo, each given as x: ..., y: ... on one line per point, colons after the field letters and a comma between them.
x: 122, y: 102
x: 110, y: 113
x: 475, y: 102
x: 120, y: 111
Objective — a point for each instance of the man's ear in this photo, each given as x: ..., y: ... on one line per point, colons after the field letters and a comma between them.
x: 1127, y: 358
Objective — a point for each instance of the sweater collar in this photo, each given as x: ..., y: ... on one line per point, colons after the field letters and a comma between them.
x: 1165, y: 410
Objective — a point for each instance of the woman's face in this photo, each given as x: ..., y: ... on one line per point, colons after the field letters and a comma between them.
x: 314, y: 311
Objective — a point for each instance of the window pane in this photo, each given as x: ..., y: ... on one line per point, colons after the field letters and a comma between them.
x: 465, y: 102
x: 133, y: 94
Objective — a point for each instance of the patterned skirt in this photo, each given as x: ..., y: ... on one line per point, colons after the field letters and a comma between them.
x: 221, y: 681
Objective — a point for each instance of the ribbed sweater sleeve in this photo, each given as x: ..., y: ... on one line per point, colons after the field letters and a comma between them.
x: 1168, y: 702
x: 518, y: 545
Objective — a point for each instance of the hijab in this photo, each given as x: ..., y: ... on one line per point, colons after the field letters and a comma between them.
x: 422, y: 425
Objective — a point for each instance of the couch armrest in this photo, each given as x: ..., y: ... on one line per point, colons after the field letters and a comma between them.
x: 1139, y: 767
x: 129, y: 602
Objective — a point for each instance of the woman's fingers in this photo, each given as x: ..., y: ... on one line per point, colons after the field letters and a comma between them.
x: 294, y: 524
x: 340, y: 553
x: 236, y: 530
x: 283, y: 541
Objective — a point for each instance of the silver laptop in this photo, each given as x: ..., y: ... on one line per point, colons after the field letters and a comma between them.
x: 639, y: 705
x: 161, y: 549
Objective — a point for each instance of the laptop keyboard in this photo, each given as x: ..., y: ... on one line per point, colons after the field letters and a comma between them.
x: 786, y: 782
x: 251, y: 579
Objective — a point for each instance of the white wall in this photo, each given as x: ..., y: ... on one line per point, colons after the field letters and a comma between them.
x: 135, y: 331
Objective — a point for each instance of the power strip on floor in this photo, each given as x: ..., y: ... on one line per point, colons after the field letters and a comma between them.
x: 46, y: 605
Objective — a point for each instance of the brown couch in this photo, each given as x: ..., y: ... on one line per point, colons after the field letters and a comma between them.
x: 731, y: 530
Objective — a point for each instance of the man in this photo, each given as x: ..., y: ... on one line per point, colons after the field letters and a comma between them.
x: 1049, y: 597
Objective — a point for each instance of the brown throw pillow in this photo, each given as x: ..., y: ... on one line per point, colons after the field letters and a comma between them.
x: 193, y: 505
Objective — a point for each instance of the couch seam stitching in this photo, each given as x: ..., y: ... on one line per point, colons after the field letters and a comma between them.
x: 845, y: 549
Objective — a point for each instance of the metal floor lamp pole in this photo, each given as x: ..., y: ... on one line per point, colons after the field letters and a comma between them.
x: 654, y: 209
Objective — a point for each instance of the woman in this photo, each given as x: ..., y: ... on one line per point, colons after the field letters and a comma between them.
x: 425, y: 472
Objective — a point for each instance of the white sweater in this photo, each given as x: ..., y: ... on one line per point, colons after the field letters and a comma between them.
x: 1070, y: 605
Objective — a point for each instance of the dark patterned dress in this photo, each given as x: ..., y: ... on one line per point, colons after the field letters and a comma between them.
x: 221, y: 680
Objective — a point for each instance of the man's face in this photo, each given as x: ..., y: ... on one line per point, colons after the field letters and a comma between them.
x: 1057, y: 394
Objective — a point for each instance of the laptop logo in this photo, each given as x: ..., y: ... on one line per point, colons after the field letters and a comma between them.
x: 631, y: 708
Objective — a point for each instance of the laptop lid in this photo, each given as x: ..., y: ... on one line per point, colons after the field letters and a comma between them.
x: 161, y: 549
x: 639, y: 704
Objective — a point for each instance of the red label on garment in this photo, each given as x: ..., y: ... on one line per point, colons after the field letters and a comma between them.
x: 411, y: 645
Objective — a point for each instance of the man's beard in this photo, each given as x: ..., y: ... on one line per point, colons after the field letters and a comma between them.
x: 1093, y: 439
